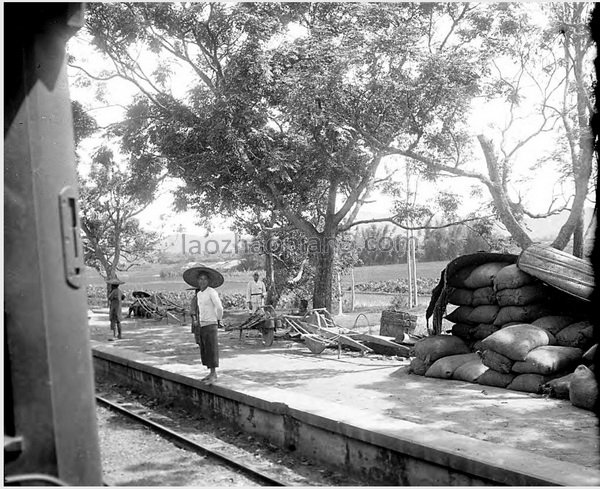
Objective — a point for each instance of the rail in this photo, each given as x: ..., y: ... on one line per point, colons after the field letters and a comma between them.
x: 185, y: 442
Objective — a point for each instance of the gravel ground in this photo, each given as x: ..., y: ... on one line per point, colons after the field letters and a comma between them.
x: 157, y: 462
x: 132, y: 455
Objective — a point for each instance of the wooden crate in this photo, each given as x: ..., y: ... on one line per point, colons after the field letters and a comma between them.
x: 397, y: 323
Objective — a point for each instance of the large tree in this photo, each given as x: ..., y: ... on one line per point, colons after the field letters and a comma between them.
x: 293, y: 107
x: 299, y: 126
x: 111, y: 197
x: 112, y: 193
x: 543, y: 73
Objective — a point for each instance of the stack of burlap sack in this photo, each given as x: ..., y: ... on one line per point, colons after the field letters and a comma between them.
x: 490, y: 296
x: 508, y: 333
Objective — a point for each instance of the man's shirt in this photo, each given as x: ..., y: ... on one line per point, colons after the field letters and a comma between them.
x: 255, y: 291
x: 210, y: 308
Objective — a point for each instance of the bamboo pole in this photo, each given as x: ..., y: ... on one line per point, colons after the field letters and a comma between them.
x: 352, y: 292
x: 340, y: 296
x: 409, y: 263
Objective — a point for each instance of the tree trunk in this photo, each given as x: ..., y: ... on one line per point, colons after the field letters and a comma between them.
x: 325, y: 255
x: 340, y: 295
x: 501, y: 202
x: 272, y: 296
x: 582, y: 169
x: 578, y: 241
x: 582, y: 139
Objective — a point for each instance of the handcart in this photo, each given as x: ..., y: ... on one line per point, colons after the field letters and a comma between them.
x: 263, y: 319
x: 140, y: 307
x: 170, y: 308
x: 155, y: 306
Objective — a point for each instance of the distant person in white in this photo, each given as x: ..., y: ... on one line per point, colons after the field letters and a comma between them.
x: 207, y: 313
x: 255, y: 293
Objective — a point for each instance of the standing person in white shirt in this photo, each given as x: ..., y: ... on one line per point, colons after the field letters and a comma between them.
x: 256, y: 293
x: 207, y: 312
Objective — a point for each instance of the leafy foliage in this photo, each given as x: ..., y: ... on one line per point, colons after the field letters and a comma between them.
x: 291, y: 124
x: 294, y: 106
x: 398, y: 286
x: 110, y: 198
x: 83, y: 124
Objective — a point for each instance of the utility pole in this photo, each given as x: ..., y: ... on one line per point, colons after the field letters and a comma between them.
x: 411, y: 261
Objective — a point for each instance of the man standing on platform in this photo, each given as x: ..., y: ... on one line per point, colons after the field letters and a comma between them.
x: 207, y: 313
x: 255, y: 293
x: 115, y: 304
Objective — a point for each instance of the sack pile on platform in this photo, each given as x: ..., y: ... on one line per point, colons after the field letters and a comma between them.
x: 510, y: 331
x: 491, y: 296
x: 520, y: 357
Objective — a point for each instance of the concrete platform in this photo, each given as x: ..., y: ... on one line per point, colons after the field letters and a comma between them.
x: 363, y: 414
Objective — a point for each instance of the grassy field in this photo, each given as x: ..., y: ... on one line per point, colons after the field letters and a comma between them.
x: 383, y: 273
x: 148, y: 277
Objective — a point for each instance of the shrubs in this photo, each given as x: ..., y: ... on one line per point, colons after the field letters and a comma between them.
x: 233, y: 301
x: 400, y: 286
x: 96, y: 297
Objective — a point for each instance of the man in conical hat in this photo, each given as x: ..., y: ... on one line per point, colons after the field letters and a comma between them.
x: 115, y: 298
x: 206, y: 310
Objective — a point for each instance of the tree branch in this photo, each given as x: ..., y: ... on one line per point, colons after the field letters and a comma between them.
x: 394, y: 220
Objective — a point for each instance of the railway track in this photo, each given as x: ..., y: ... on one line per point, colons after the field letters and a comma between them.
x: 188, y: 444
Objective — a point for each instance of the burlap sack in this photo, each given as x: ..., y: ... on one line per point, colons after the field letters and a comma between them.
x: 483, y: 297
x: 460, y: 297
x: 578, y: 335
x: 445, y: 367
x: 483, y: 314
x: 528, y: 294
x: 482, y: 331
x: 457, y: 279
x: 470, y: 371
x: 533, y: 383
x: 511, y: 277
x: 522, y: 314
x: 559, y: 388
x: 463, y: 331
x: 495, y: 378
x: 583, y: 391
x: 483, y: 275
x: 433, y: 347
x: 515, y: 342
x: 512, y: 323
x: 547, y: 360
x: 553, y: 324
x: 417, y: 367
x: 496, y: 361
x: 460, y: 314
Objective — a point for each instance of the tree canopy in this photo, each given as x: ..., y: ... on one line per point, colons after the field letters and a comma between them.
x: 110, y: 199
x: 293, y: 107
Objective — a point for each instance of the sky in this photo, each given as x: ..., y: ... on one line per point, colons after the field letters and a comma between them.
x: 119, y: 93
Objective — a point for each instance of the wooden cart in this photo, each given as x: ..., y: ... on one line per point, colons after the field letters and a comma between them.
x: 263, y: 319
x: 156, y: 306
